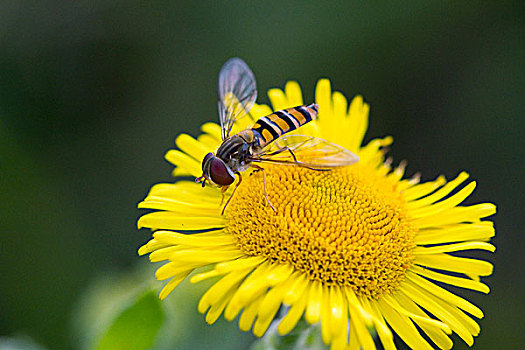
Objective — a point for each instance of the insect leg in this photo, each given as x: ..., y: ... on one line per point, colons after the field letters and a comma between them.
x: 282, y: 149
x: 229, y: 199
x: 286, y: 148
x: 316, y: 169
x: 264, y: 182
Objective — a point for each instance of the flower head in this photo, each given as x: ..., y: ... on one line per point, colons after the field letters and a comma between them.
x: 358, y: 249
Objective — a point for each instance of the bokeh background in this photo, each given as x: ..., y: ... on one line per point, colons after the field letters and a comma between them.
x: 93, y: 93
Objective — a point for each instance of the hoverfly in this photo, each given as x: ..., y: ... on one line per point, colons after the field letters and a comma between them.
x: 264, y: 141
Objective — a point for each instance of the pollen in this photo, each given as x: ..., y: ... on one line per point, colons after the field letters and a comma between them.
x: 343, y: 227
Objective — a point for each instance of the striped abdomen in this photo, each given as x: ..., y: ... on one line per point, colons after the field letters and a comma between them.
x: 279, y: 123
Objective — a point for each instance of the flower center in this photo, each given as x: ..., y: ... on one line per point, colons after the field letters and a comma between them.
x: 345, y: 227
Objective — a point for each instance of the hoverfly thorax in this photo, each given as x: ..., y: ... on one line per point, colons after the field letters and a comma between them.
x: 237, y: 150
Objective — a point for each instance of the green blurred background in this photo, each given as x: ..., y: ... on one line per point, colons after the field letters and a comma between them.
x: 92, y: 94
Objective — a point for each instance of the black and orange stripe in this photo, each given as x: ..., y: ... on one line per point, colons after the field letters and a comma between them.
x: 281, y: 122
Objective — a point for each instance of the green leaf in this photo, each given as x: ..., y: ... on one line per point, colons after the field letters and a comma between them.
x: 136, y: 327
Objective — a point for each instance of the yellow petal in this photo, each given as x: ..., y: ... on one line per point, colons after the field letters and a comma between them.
x: 323, y: 97
x: 439, y: 194
x: 217, y: 308
x: 207, y: 256
x: 187, y: 192
x: 199, y: 277
x: 271, y: 301
x: 326, y: 316
x: 353, y: 338
x: 196, y: 239
x: 338, y: 311
x: 212, y: 129
x: 251, y: 288
x: 371, y: 152
x: 259, y: 111
x: 435, y: 306
x: 340, y: 342
x: 169, y: 221
x: 174, y: 282
x: 278, y: 99
x: 172, y: 269
x: 297, y: 289
x: 423, y: 189
x: 177, y: 208
x: 455, y: 264
x: 456, y: 215
x: 360, y: 328
x: 267, y: 310
x: 150, y: 246
x: 249, y: 314
x: 293, y: 315
x: 216, y: 292
x: 356, y: 306
x: 357, y: 122
x: 445, y: 295
x: 184, y: 161
x: 313, y: 308
x: 339, y: 117
x: 385, y: 335
x: 449, y: 248
x: 435, y: 334
x: 209, y: 142
x: 238, y: 264
x: 481, y: 231
x: 450, y: 202
x: 451, y: 280
x: 403, y: 326
x: 293, y: 93
x: 192, y: 147
x: 417, y: 318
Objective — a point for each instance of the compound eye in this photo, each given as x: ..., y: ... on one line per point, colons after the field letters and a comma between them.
x: 206, y: 158
x: 220, y: 174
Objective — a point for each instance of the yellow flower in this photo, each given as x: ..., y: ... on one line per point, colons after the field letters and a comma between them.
x: 357, y: 249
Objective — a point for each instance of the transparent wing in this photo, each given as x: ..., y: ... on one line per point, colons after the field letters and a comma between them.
x: 307, y: 151
x: 237, y: 93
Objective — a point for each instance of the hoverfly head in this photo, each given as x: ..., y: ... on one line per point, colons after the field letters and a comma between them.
x: 215, y: 171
